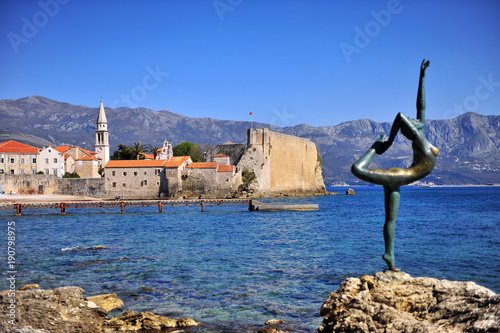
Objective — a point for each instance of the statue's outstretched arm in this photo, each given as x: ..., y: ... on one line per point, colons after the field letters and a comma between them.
x: 421, y: 92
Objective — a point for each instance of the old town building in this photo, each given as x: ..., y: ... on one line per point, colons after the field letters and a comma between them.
x: 144, y: 178
x: 50, y: 161
x: 18, y: 158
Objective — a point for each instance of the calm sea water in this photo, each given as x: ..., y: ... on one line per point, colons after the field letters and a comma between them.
x: 232, y: 269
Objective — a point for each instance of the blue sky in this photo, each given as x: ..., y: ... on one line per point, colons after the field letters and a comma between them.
x: 288, y: 62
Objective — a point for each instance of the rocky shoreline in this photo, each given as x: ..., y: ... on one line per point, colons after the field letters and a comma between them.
x: 65, y: 309
x: 396, y: 302
x: 386, y: 302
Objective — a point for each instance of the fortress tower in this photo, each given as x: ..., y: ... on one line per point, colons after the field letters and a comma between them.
x: 102, y: 137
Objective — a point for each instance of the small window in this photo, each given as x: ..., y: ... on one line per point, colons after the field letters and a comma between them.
x: 55, y: 160
x: 124, y: 173
x: 135, y: 173
x: 145, y: 182
x: 170, y: 172
x: 54, y: 171
x: 33, y: 171
x: 11, y: 160
x: 47, y: 160
x: 114, y: 184
x: 1, y: 171
x: 124, y: 184
x: 11, y: 171
x: 113, y: 174
x: 22, y: 172
x: 145, y: 173
x: 50, y: 150
x: 1, y: 159
x: 157, y: 183
x: 34, y: 160
x: 22, y: 160
x: 47, y: 172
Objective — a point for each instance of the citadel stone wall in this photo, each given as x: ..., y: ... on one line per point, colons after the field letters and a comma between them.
x: 282, y: 164
x: 51, y: 184
x: 89, y: 187
x: 29, y: 184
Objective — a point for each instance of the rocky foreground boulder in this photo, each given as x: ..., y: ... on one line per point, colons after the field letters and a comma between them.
x: 396, y: 302
x: 66, y: 310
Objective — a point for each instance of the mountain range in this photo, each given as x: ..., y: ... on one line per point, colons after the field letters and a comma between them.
x: 469, y: 144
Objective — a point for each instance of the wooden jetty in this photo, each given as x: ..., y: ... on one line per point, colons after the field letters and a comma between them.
x: 62, y: 206
x: 253, y: 205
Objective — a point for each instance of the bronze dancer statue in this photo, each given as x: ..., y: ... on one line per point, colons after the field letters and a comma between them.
x: 424, y: 159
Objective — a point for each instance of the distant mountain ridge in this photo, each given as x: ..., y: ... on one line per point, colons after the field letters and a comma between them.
x: 469, y: 144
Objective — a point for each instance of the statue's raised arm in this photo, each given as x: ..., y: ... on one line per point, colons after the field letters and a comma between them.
x: 421, y: 92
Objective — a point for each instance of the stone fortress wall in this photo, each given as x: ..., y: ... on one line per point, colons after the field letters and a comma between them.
x: 51, y: 184
x: 282, y: 164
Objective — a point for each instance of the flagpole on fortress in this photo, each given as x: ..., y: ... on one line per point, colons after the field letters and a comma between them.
x: 251, y: 120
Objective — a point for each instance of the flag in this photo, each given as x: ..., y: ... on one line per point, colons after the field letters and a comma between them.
x: 251, y: 113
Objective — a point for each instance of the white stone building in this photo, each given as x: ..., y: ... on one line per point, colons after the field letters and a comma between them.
x: 50, y: 161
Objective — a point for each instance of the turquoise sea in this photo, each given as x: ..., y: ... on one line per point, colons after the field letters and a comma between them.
x: 232, y: 269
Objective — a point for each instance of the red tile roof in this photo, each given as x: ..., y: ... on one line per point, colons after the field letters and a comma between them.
x: 225, y: 168
x: 221, y: 155
x: 149, y: 156
x: 62, y: 149
x: 176, y: 161
x: 203, y: 165
x: 135, y: 164
x: 17, y: 147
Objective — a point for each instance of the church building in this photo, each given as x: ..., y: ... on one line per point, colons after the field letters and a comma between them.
x: 102, y: 137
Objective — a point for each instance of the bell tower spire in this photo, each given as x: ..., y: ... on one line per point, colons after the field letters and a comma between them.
x: 102, y: 136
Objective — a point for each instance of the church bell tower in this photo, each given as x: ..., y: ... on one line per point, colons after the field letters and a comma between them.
x: 102, y: 137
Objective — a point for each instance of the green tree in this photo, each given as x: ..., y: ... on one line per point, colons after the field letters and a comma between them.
x: 183, y: 149
x: 137, y: 149
x: 196, y: 154
x: 154, y: 150
x: 189, y: 149
x: 123, y: 153
x: 71, y: 175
